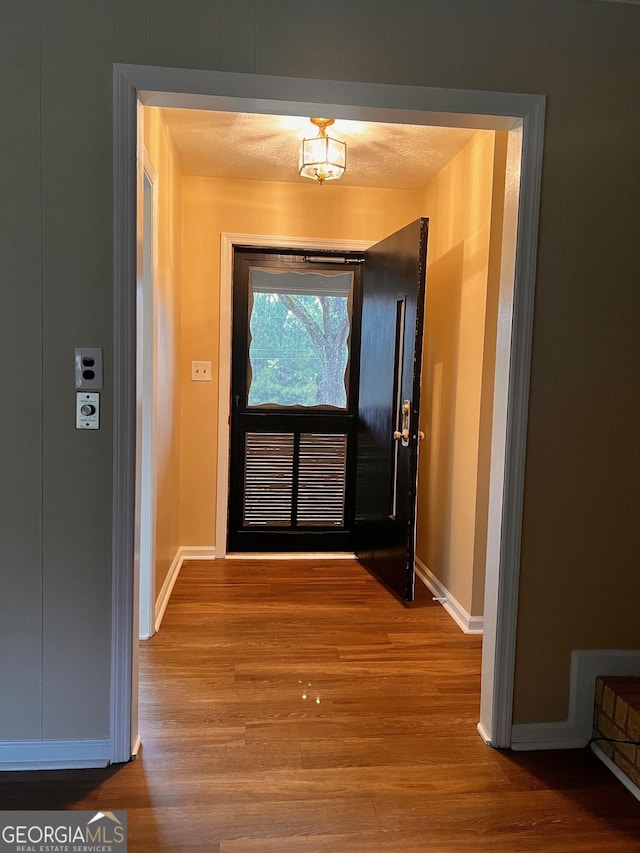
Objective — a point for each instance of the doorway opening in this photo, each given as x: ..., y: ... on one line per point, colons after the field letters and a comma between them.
x: 522, y: 117
x: 294, y: 399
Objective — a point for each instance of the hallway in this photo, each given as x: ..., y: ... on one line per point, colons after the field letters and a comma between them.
x: 293, y: 706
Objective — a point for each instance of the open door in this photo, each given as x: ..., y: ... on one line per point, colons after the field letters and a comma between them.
x: 389, y: 406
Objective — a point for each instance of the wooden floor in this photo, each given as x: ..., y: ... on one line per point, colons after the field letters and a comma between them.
x: 290, y: 707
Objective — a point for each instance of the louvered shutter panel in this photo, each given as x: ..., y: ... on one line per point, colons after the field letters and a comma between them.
x: 321, y: 480
x: 268, y: 486
x: 274, y: 484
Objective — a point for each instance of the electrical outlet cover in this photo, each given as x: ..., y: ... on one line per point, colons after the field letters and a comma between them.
x: 201, y: 371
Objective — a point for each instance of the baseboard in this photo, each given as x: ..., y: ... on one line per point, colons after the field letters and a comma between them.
x: 137, y: 744
x: 195, y: 552
x: 54, y: 754
x: 534, y: 736
x: 291, y: 555
x: 469, y: 624
x: 483, y: 734
x: 167, y: 588
x: 184, y: 553
x: 622, y: 777
x: 575, y: 732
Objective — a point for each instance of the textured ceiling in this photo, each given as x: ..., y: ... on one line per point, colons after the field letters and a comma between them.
x: 265, y: 148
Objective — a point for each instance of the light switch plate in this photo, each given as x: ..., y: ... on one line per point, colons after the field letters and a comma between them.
x: 201, y: 371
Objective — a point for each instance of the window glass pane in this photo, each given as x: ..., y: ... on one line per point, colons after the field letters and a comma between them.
x: 299, y: 325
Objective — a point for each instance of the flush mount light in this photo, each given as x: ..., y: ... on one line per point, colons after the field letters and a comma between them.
x: 322, y: 158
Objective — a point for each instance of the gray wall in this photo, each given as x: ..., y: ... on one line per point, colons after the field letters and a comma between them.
x: 580, y: 584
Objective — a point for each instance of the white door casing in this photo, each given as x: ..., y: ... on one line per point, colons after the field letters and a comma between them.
x: 519, y: 114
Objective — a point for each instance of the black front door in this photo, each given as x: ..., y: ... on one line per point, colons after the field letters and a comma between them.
x: 294, y: 381
x: 389, y: 406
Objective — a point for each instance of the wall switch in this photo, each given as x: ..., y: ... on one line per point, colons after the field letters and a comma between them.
x: 201, y: 371
x: 87, y: 410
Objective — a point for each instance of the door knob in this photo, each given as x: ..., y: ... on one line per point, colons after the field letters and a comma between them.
x: 420, y: 435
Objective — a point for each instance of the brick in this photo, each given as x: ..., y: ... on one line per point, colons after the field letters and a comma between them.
x: 633, y: 723
x: 621, y: 711
x: 609, y: 729
x: 633, y: 700
x: 605, y: 746
x: 600, y: 722
x: 608, y: 700
x: 629, y: 751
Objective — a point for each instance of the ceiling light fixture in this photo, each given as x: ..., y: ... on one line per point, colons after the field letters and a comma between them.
x: 322, y: 158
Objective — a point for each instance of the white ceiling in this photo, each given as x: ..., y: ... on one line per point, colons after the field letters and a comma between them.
x: 265, y: 148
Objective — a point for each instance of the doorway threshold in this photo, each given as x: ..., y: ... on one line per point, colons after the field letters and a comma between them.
x: 291, y: 555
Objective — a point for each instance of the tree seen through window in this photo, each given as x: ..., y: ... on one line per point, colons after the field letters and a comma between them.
x: 298, y: 349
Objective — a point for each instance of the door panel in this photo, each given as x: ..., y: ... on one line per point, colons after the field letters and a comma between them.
x: 387, y: 458
x: 294, y: 401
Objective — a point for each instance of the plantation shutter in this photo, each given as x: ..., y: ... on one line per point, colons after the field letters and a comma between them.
x: 294, y: 480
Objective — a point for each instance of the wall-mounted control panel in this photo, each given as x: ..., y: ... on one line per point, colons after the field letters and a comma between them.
x: 88, y: 368
x: 87, y: 410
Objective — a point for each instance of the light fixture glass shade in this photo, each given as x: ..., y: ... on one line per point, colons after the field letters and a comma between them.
x: 322, y: 158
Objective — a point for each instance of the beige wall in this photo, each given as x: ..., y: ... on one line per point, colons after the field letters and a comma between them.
x: 215, y: 206
x: 579, y: 579
x: 458, y: 363
x: 168, y: 336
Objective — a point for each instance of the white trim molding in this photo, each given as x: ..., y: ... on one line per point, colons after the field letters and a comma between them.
x: 522, y: 116
x: 227, y: 243
x: 575, y: 732
x: 54, y: 754
x: 137, y: 746
x: 167, y: 588
x: 185, y: 552
x: 124, y: 622
x: 199, y: 552
x: 469, y: 624
x: 291, y: 555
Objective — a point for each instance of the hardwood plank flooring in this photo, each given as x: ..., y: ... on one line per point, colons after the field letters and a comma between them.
x: 297, y: 707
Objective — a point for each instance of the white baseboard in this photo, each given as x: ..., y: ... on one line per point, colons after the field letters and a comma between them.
x: 197, y: 552
x: 469, y: 624
x: 167, y: 588
x: 575, y: 732
x: 610, y: 765
x: 483, y: 734
x: 185, y: 552
x: 137, y: 744
x: 54, y: 754
x: 291, y: 555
